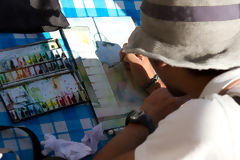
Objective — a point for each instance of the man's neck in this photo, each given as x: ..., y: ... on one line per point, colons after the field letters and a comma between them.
x: 195, y: 85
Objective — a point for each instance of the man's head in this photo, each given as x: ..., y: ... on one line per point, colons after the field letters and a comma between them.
x: 181, y: 81
x: 189, y: 33
x: 198, y: 35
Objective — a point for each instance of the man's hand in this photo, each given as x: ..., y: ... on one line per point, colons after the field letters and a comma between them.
x: 140, y: 70
x: 161, y: 103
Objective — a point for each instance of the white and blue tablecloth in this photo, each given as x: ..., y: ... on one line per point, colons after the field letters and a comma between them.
x: 73, y: 122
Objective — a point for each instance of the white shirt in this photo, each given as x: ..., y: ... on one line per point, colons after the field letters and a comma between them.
x: 207, y: 128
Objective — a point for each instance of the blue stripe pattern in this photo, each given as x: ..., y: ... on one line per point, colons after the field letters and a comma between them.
x: 69, y: 119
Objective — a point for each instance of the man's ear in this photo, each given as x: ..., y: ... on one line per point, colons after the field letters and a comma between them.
x: 158, y: 64
x: 162, y: 64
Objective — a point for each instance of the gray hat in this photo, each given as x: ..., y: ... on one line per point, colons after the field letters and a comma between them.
x: 197, y: 34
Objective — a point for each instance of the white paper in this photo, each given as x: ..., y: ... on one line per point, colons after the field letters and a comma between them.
x: 65, y: 149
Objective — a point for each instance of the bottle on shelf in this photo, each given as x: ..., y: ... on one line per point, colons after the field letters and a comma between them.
x: 44, y: 106
x: 9, y: 77
x: 34, y: 59
x: 28, y: 60
x: 38, y: 69
x: 14, y: 115
x: 83, y: 95
x: 39, y: 57
x: 20, y: 61
x: 27, y: 72
x: 32, y: 71
x: 49, y: 66
x: 50, y: 104
x: 55, y: 65
x: 69, y: 99
x: 44, y: 68
x: 61, y: 101
x: 3, y: 78
x: 66, y: 99
x: 60, y: 64
x: 77, y: 97
x: 15, y: 63
x: 5, y: 66
x: 20, y: 74
x: 10, y: 65
x: 59, y: 51
x: 7, y: 101
x: 65, y: 61
x: 15, y: 75
x: 73, y: 98
x: 31, y: 109
x: 55, y: 103
x: 38, y: 108
x: 50, y: 55
x: 55, y: 53
x: 24, y: 61
x: 44, y: 56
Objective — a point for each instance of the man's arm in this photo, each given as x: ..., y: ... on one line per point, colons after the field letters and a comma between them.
x: 140, y: 71
x: 123, y: 145
x: 158, y: 105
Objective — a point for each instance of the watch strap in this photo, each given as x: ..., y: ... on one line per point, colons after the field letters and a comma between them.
x: 152, y: 81
x: 151, y: 127
x: 144, y: 119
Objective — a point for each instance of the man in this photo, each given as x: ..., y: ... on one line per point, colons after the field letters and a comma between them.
x: 194, y: 46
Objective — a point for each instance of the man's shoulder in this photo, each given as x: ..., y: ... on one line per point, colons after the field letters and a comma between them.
x: 197, y: 129
x: 195, y: 113
x: 193, y: 108
x: 209, y: 102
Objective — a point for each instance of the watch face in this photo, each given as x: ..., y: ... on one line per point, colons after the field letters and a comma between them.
x: 136, y: 114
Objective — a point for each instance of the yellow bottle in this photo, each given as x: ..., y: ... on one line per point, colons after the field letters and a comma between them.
x: 50, y: 105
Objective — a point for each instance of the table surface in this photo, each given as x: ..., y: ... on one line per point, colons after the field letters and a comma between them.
x: 73, y: 122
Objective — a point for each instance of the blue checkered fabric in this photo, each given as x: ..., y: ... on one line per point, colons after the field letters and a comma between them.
x: 73, y: 122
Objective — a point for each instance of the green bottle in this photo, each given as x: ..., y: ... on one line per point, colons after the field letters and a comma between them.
x: 3, y: 78
x: 34, y: 59
x: 39, y: 57
x: 45, y: 56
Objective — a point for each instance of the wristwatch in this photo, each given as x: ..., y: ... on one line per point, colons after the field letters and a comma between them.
x: 140, y: 117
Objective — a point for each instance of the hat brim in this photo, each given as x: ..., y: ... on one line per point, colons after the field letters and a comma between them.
x: 143, y: 43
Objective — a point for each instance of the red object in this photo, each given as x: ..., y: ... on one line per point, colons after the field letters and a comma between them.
x: 73, y: 98
x: 61, y: 101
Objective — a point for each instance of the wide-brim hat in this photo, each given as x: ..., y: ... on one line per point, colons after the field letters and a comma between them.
x: 197, y: 34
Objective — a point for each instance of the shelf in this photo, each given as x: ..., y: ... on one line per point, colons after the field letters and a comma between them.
x: 31, y: 65
x: 53, y: 110
x: 35, y: 78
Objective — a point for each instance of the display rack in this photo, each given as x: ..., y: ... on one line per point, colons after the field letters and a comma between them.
x: 37, y: 79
